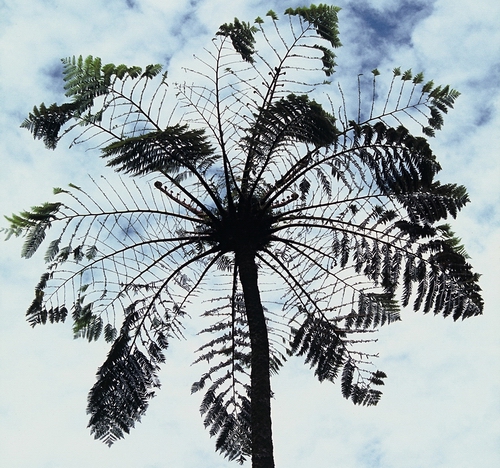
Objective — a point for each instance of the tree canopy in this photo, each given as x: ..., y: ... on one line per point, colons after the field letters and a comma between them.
x: 306, y: 221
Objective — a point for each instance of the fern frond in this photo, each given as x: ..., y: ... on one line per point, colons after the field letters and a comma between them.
x: 128, y: 378
x: 242, y: 37
x: 323, y: 17
x: 294, y: 118
x: 45, y: 123
x: 322, y: 344
x: 33, y: 225
x: 162, y: 151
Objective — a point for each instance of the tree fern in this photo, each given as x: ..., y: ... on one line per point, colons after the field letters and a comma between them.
x: 305, y: 226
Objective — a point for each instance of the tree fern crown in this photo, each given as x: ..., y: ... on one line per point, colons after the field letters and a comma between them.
x: 307, y: 220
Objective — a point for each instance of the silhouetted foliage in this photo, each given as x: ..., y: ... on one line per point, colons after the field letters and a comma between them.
x: 301, y: 225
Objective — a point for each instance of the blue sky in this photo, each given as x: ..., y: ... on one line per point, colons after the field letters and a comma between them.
x: 440, y: 406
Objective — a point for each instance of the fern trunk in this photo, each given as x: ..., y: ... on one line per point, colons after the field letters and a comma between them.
x: 262, y: 444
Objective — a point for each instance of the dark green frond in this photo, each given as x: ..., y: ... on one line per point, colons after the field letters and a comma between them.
x: 321, y: 343
x: 454, y: 242
x: 418, y: 78
x: 324, y: 346
x: 34, y: 238
x: 85, y: 79
x: 291, y: 119
x: 91, y: 252
x: 400, y: 162
x: 233, y: 428
x: 37, y: 313
x: 325, y: 20
x: 52, y: 250
x: 226, y: 403
x: 361, y: 393
x: 328, y: 59
x: 442, y: 98
x: 323, y: 17
x: 88, y: 78
x: 375, y: 310
x: 33, y: 225
x: 38, y: 214
x: 152, y: 70
x: 436, y: 202
x: 163, y: 151
x: 272, y: 15
x: 449, y: 286
x: 45, y: 123
x: 427, y: 87
x: 364, y: 395
x: 85, y: 323
x: 347, y: 378
x: 242, y: 37
x: 125, y: 383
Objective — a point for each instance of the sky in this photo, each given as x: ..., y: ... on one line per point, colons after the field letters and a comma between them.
x: 440, y: 406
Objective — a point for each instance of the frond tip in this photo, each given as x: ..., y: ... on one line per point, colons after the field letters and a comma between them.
x: 242, y: 37
x: 325, y: 20
x: 45, y: 123
x: 125, y: 382
x: 33, y: 225
x: 323, y: 17
x: 85, y: 80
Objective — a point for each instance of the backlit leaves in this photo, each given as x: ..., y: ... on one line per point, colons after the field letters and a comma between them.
x: 242, y: 37
x: 163, y: 151
x: 344, y: 212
